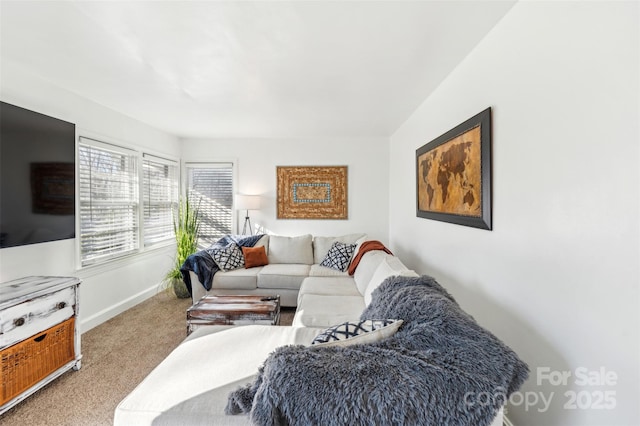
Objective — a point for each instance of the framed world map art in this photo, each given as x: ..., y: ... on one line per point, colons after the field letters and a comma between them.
x: 453, y: 175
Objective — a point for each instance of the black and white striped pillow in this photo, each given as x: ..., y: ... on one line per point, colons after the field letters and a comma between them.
x: 361, y: 332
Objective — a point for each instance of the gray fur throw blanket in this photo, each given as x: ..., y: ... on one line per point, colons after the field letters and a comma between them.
x: 440, y: 368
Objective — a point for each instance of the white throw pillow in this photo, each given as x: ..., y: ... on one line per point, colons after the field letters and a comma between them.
x: 291, y: 249
x: 356, y: 333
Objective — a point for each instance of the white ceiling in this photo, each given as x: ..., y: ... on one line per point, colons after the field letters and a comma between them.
x: 249, y: 69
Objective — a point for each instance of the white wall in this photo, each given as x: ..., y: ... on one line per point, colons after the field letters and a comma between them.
x: 368, y: 175
x: 558, y: 277
x: 110, y: 289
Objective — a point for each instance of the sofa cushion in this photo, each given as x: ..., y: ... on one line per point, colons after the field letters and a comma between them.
x: 291, y: 249
x: 190, y: 386
x: 263, y: 242
x: 316, y: 310
x: 323, y: 271
x: 321, y: 245
x: 254, y: 256
x: 388, y: 267
x: 241, y: 279
x: 339, y: 256
x: 282, y: 276
x: 328, y: 286
x: 228, y: 258
x: 367, y: 266
x: 357, y: 333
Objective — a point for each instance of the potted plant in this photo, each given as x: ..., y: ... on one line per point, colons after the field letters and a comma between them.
x: 186, y: 226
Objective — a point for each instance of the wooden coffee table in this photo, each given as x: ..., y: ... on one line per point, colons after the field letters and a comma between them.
x: 233, y: 310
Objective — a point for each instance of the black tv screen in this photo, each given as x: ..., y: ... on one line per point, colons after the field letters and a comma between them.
x: 37, y: 177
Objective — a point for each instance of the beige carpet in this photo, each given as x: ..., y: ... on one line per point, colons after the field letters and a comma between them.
x: 117, y: 355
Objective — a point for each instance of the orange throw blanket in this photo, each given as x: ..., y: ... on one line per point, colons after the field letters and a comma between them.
x: 365, y: 247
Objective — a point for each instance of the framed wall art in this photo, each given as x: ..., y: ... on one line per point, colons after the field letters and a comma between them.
x: 312, y: 192
x: 453, y: 175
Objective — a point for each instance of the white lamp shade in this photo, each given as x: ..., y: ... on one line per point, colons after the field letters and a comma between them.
x: 247, y: 202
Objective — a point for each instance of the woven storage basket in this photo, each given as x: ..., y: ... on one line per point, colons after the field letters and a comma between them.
x: 26, y: 363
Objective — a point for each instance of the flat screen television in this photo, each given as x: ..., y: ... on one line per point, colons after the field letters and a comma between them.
x: 37, y: 177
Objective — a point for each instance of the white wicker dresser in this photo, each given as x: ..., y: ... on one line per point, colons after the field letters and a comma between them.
x: 39, y: 338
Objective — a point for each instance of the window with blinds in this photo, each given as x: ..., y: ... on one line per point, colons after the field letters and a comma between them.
x: 109, y: 201
x: 211, y: 185
x: 159, y: 198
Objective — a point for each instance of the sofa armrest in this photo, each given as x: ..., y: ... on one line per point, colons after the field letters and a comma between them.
x: 367, y: 267
x: 197, y: 289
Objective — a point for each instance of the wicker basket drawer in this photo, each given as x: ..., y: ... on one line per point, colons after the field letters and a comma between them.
x: 26, y: 363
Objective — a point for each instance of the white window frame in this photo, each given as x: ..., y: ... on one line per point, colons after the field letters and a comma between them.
x: 224, y: 162
x: 174, y: 190
x: 135, y: 184
x: 117, y: 146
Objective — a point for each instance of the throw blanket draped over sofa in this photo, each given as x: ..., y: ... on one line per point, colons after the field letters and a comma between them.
x: 202, y: 262
x: 440, y: 368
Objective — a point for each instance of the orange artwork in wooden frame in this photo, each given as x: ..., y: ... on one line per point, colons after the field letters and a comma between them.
x: 312, y: 192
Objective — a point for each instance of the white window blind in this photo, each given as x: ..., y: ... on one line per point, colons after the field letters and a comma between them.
x: 109, y: 201
x: 211, y: 185
x: 159, y: 198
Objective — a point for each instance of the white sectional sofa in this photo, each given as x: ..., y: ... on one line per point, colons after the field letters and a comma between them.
x: 326, y: 301
x: 291, y: 260
x: 192, y: 385
x: 324, y: 296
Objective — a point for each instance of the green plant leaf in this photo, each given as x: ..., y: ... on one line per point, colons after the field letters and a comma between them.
x: 186, y: 226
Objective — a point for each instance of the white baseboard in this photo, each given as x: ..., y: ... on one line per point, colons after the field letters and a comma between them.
x: 94, y: 320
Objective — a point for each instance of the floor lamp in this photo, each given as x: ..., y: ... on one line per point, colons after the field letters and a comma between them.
x: 246, y: 203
